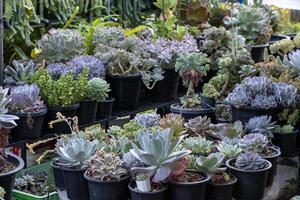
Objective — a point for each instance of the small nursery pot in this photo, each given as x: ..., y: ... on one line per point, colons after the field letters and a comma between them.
x: 108, y: 190
x: 257, y: 52
x: 61, y: 127
x: 29, y: 125
x: 7, y: 179
x: 58, y: 176
x: 221, y: 191
x: 207, y: 102
x: 105, y: 108
x: 250, y: 184
x: 156, y: 195
x: 75, y: 184
x: 125, y: 89
x: 189, y: 190
x: 286, y: 142
x: 87, y: 111
x: 188, y: 114
x: 273, y: 160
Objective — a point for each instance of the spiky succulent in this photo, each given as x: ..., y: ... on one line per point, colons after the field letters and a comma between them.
x: 157, y: 151
x: 19, y: 73
x: 250, y: 161
x: 254, y: 142
x: 173, y: 121
x: 60, y: 45
x: 199, y: 125
x: 211, y: 163
x: 75, y: 151
x: 105, y: 167
x: 98, y: 89
x: 262, y: 124
x: 148, y: 120
x: 229, y: 150
x: 198, y: 145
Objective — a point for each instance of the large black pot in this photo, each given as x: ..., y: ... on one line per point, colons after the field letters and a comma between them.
x: 292, y: 35
x: 222, y: 191
x: 58, y: 176
x: 243, y: 114
x: 7, y: 179
x: 105, y: 108
x: 75, y: 184
x: 166, y: 89
x: 277, y: 38
x: 29, y: 125
x: 61, y: 127
x: 87, y: 111
x: 286, y: 142
x: 189, y: 191
x: 126, y: 90
x: 108, y: 190
x: 257, y: 52
x: 207, y: 102
x: 156, y: 195
x: 250, y: 184
x: 188, y: 114
x: 273, y: 160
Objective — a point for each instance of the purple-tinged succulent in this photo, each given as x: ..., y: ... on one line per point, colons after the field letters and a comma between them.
x: 254, y: 142
x: 57, y: 69
x: 148, y: 120
x: 250, y: 161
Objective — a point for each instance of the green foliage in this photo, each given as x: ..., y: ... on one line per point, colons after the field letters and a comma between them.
x: 116, y: 131
x: 285, y: 129
x: 98, y: 89
x: 210, y: 164
x: 210, y: 91
x: 229, y: 150
x: 198, y: 145
x: 132, y: 128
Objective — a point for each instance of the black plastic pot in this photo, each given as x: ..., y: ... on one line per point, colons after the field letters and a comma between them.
x: 244, y: 114
x: 286, y: 142
x: 7, y: 179
x: 277, y: 38
x: 87, y: 111
x: 126, y: 90
x: 75, y: 184
x: 105, y: 108
x: 166, y: 89
x: 222, y: 191
x: 108, y: 190
x: 61, y: 127
x: 250, y: 184
x: 188, y: 114
x: 273, y: 160
x: 207, y: 102
x: 257, y: 52
x: 29, y: 125
x: 157, y: 195
x: 58, y: 176
x: 292, y: 35
x: 188, y: 191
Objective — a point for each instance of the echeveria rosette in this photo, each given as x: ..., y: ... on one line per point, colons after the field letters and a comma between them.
x: 250, y: 161
x: 148, y: 120
x: 254, y: 142
x: 262, y: 124
x: 292, y: 60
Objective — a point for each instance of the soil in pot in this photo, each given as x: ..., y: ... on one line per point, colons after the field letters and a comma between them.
x: 58, y: 176
x: 220, y: 189
x: 108, y: 190
x: 257, y: 52
x: 29, y: 125
x: 75, y: 184
x: 272, y: 156
x: 7, y: 178
x: 126, y: 90
x: 250, y: 184
x: 105, y: 108
x: 166, y: 89
x: 87, y: 111
x: 61, y: 127
x: 159, y: 192
x: 208, y: 102
x: 286, y: 142
x: 189, y: 186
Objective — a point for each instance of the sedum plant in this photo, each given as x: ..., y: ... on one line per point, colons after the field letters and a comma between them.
x: 198, y: 145
x: 106, y: 167
x: 229, y: 150
x: 254, y: 142
x: 132, y: 128
x: 148, y: 120
x: 173, y: 121
x: 250, y: 161
x: 19, y: 73
x: 157, y: 151
x: 60, y: 45
x: 98, y: 89
x: 192, y: 67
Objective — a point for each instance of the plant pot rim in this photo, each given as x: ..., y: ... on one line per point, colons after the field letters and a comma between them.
x: 228, y: 164
x: 252, y: 108
x: 259, y: 45
x: 224, y: 184
x: 107, y: 100
x: 41, y: 112
x: 89, y: 179
x: 74, y: 106
x: 139, y: 192
x: 181, y: 110
x: 121, y: 76
x: 68, y: 169
x: 206, y: 179
x: 88, y: 100
x: 20, y: 165
x: 277, y: 154
x: 34, y: 196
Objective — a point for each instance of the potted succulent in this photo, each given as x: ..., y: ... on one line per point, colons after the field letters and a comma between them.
x: 251, y: 171
x: 200, y: 126
x: 10, y: 164
x: 173, y: 121
x: 258, y: 96
x: 107, y: 179
x: 285, y: 137
x: 262, y: 124
x: 229, y: 150
x: 192, y: 67
x: 198, y: 145
x: 156, y: 150
x: 27, y: 105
